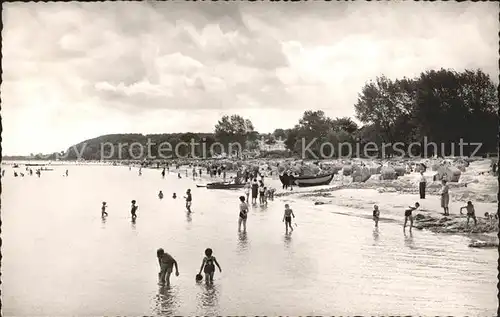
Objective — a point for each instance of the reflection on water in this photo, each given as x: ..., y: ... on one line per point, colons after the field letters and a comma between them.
x: 376, y: 235
x: 208, y: 299
x: 409, y: 240
x: 242, y: 241
x: 103, y: 222
x: 165, y: 302
x: 133, y: 223
x: 288, y: 239
x: 189, y: 217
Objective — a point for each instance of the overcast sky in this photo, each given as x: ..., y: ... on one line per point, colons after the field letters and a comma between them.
x: 74, y: 71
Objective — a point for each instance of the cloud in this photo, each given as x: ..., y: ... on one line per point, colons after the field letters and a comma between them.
x: 77, y: 70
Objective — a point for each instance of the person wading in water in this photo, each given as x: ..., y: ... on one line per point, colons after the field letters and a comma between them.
x: 422, y: 185
x: 133, y: 209
x: 255, y: 191
x: 208, y: 267
x: 167, y: 263
x: 243, y: 214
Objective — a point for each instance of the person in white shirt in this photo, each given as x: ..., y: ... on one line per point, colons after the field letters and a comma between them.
x: 422, y: 185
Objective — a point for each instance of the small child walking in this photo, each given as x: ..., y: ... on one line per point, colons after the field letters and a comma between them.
x: 103, y: 210
x: 208, y: 267
x: 133, y: 209
x: 376, y: 215
x: 287, y: 218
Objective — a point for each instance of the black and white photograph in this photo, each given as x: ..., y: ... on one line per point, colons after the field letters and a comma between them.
x: 249, y: 158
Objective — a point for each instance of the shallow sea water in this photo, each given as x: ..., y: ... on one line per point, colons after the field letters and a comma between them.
x: 60, y: 258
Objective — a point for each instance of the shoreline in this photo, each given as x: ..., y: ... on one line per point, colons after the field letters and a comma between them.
x: 393, y: 197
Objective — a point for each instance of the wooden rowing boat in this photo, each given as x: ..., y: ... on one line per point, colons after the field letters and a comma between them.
x: 222, y: 185
x: 308, y: 181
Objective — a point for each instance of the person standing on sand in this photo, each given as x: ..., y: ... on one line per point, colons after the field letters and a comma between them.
x: 376, y: 215
x: 163, y: 173
x: 445, y: 198
x: 471, y: 212
x: 167, y: 263
x: 408, y: 215
x: 243, y: 214
x: 422, y: 184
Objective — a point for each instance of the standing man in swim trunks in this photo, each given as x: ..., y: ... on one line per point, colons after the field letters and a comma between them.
x: 408, y: 215
x: 189, y: 200
x: 445, y: 198
x: 287, y: 218
x: 167, y: 262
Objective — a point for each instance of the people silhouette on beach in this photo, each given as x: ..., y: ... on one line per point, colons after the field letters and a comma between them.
x: 160, y: 195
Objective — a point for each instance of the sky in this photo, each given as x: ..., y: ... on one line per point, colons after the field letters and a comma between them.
x: 74, y: 71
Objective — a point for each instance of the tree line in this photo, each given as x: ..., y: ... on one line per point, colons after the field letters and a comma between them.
x: 441, y: 106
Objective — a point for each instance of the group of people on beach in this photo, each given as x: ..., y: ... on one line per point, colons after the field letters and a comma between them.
x: 445, y: 199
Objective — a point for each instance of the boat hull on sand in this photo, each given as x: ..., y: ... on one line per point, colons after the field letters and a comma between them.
x: 308, y: 181
x: 224, y: 186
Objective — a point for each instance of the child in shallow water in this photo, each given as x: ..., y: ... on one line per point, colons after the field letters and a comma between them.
x: 167, y: 263
x: 208, y: 267
x: 408, y: 215
x: 287, y: 218
x: 103, y: 210
x: 376, y: 215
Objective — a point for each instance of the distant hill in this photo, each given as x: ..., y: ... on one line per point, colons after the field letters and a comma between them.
x: 129, y: 146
